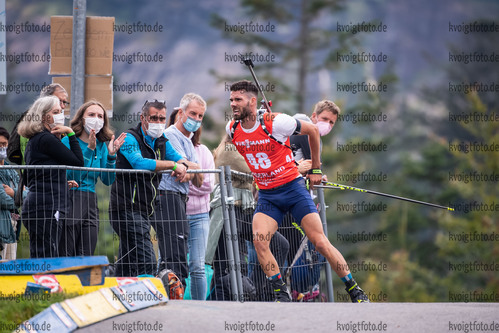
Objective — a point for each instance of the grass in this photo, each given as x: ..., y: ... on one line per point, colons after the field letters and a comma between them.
x: 16, y: 309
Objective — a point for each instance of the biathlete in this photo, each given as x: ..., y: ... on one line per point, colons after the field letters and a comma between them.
x: 263, y: 140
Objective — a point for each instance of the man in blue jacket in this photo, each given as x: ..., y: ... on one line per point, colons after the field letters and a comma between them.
x: 133, y: 195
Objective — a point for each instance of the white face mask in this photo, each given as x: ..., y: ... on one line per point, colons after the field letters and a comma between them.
x: 58, y: 120
x: 93, y: 123
x: 155, y: 130
x: 3, y: 153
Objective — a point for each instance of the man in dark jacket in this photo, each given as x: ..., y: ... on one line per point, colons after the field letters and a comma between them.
x: 133, y: 194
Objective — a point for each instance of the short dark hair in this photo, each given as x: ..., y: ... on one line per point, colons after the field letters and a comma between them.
x: 160, y: 105
x: 4, y: 133
x: 245, y: 85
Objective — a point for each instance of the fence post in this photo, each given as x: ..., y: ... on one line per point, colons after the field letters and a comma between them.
x: 322, y: 213
x: 233, y: 228
x: 78, y: 55
x: 228, y: 234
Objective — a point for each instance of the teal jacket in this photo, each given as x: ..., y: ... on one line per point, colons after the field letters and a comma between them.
x: 97, y: 158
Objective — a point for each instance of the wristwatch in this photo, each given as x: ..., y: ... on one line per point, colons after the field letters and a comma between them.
x: 186, y: 166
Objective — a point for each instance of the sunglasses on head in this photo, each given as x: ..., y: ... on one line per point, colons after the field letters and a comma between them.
x: 149, y: 101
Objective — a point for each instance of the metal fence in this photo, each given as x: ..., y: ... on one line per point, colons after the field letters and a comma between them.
x: 142, y: 235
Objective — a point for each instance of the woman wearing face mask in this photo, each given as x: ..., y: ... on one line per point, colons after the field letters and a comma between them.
x: 91, y: 126
x: 45, y: 205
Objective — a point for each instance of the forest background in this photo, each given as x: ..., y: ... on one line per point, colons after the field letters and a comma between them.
x: 429, y: 131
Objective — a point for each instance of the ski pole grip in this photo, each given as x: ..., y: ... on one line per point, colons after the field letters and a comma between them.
x: 248, y: 62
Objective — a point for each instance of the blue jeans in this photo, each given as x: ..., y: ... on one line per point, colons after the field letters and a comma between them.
x: 198, y: 240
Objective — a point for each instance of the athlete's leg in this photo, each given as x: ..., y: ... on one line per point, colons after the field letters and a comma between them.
x: 264, y: 228
x: 311, y: 224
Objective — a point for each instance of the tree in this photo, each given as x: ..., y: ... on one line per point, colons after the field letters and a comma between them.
x: 458, y: 165
x: 304, y: 49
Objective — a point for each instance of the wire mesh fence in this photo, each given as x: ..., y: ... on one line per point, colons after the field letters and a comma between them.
x: 144, y: 232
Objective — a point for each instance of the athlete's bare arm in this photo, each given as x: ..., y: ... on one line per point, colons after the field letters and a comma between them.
x: 314, y: 141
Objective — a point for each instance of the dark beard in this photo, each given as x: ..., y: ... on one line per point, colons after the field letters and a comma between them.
x: 245, y: 113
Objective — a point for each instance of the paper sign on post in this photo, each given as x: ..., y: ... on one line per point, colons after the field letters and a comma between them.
x: 99, y: 88
x: 99, y: 43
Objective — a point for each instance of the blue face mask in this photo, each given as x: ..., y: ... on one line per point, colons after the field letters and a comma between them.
x: 192, y: 125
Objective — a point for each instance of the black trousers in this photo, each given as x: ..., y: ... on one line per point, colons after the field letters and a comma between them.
x: 44, y: 230
x: 136, y: 253
x: 81, y: 225
x: 172, y: 229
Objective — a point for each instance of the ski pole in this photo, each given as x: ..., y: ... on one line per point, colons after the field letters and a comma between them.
x: 248, y: 62
x: 346, y: 187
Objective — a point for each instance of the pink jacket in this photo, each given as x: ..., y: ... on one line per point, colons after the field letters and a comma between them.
x: 199, y: 197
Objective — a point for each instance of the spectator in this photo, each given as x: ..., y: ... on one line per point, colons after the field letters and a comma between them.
x: 17, y: 143
x: 133, y: 195
x: 45, y: 206
x: 216, y: 252
x: 171, y: 223
x: 91, y: 126
x: 197, y: 209
x: 324, y: 117
x: 9, y: 230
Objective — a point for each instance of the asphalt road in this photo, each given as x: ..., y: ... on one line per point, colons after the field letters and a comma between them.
x: 198, y: 316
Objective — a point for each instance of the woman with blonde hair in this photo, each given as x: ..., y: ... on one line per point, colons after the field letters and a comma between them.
x: 45, y: 205
x: 92, y: 129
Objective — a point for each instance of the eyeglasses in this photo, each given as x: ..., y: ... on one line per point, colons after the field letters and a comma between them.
x: 156, y: 119
x: 66, y: 103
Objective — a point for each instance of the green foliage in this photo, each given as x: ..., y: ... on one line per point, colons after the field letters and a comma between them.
x: 107, y: 241
x: 461, y: 240
x: 20, y: 308
x: 299, y: 51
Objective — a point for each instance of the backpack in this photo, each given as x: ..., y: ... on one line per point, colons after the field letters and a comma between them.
x: 172, y: 284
